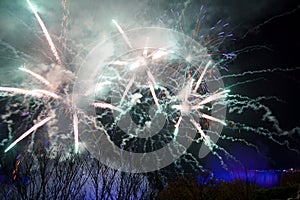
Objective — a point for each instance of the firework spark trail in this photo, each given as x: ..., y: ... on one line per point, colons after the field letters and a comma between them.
x: 233, y: 55
x: 292, y: 131
x: 47, y: 93
x: 75, y: 129
x: 122, y: 33
x: 21, y: 91
x: 151, y: 77
x: 64, y: 24
x: 158, y: 54
x: 238, y: 106
x: 259, y: 72
x: 237, y: 96
x: 50, y: 42
x: 255, y: 105
x: 204, y: 137
x: 32, y: 129
x: 154, y: 95
x: 179, y: 21
x: 270, y: 135
x: 107, y: 105
x: 271, y: 19
x: 196, y: 29
x: 238, y: 103
x: 201, y: 76
x: 14, y: 173
x: 184, y: 108
x: 185, y: 92
x: 2, y: 143
x: 100, y: 85
x: 189, y: 92
x: 137, y: 64
x: 211, y: 98
x: 18, y: 54
x: 244, y: 82
x: 36, y: 93
x: 127, y: 89
x: 177, y: 127
x: 37, y: 76
x: 212, y: 118
x: 234, y: 139
x: 21, y: 21
x: 210, y: 144
x: 145, y: 52
x: 118, y: 62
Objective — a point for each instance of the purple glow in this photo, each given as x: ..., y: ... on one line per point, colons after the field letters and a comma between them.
x: 263, y: 178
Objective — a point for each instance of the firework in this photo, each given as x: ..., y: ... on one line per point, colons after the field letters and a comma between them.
x: 153, y: 92
x: 155, y: 88
x: 51, y: 44
x: 32, y: 129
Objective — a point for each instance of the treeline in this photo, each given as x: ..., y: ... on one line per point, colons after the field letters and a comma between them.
x: 45, y: 174
x: 202, y: 187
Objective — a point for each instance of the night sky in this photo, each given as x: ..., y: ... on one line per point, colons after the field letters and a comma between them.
x: 277, y: 34
x: 265, y: 37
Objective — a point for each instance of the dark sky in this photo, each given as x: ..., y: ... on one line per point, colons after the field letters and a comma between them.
x: 265, y: 37
x: 274, y: 28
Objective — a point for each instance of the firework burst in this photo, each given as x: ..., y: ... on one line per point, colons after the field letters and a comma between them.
x: 142, y: 97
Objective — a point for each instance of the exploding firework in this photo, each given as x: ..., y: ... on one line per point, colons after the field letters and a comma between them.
x: 50, y: 97
x: 153, y: 89
x: 140, y: 99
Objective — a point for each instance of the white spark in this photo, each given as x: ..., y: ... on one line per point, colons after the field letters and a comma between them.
x: 154, y: 95
x: 21, y: 91
x: 127, y: 89
x: 158, y: 54
x: 50, y: 42
x: 151, y: 77
x: 75, y: 127
x: 205, y: 138
x: 177, y: 127
x: 145, y: 52
x: 211, y: 98
x: 119, y: 62
x: 107, y: 105
x: 32, y: 129
x: 213, y: 118
x: 47, y: 93
x: 201, y: 76
x: 37, y: 76
x: 38, y: 93
x: 122, y: 33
